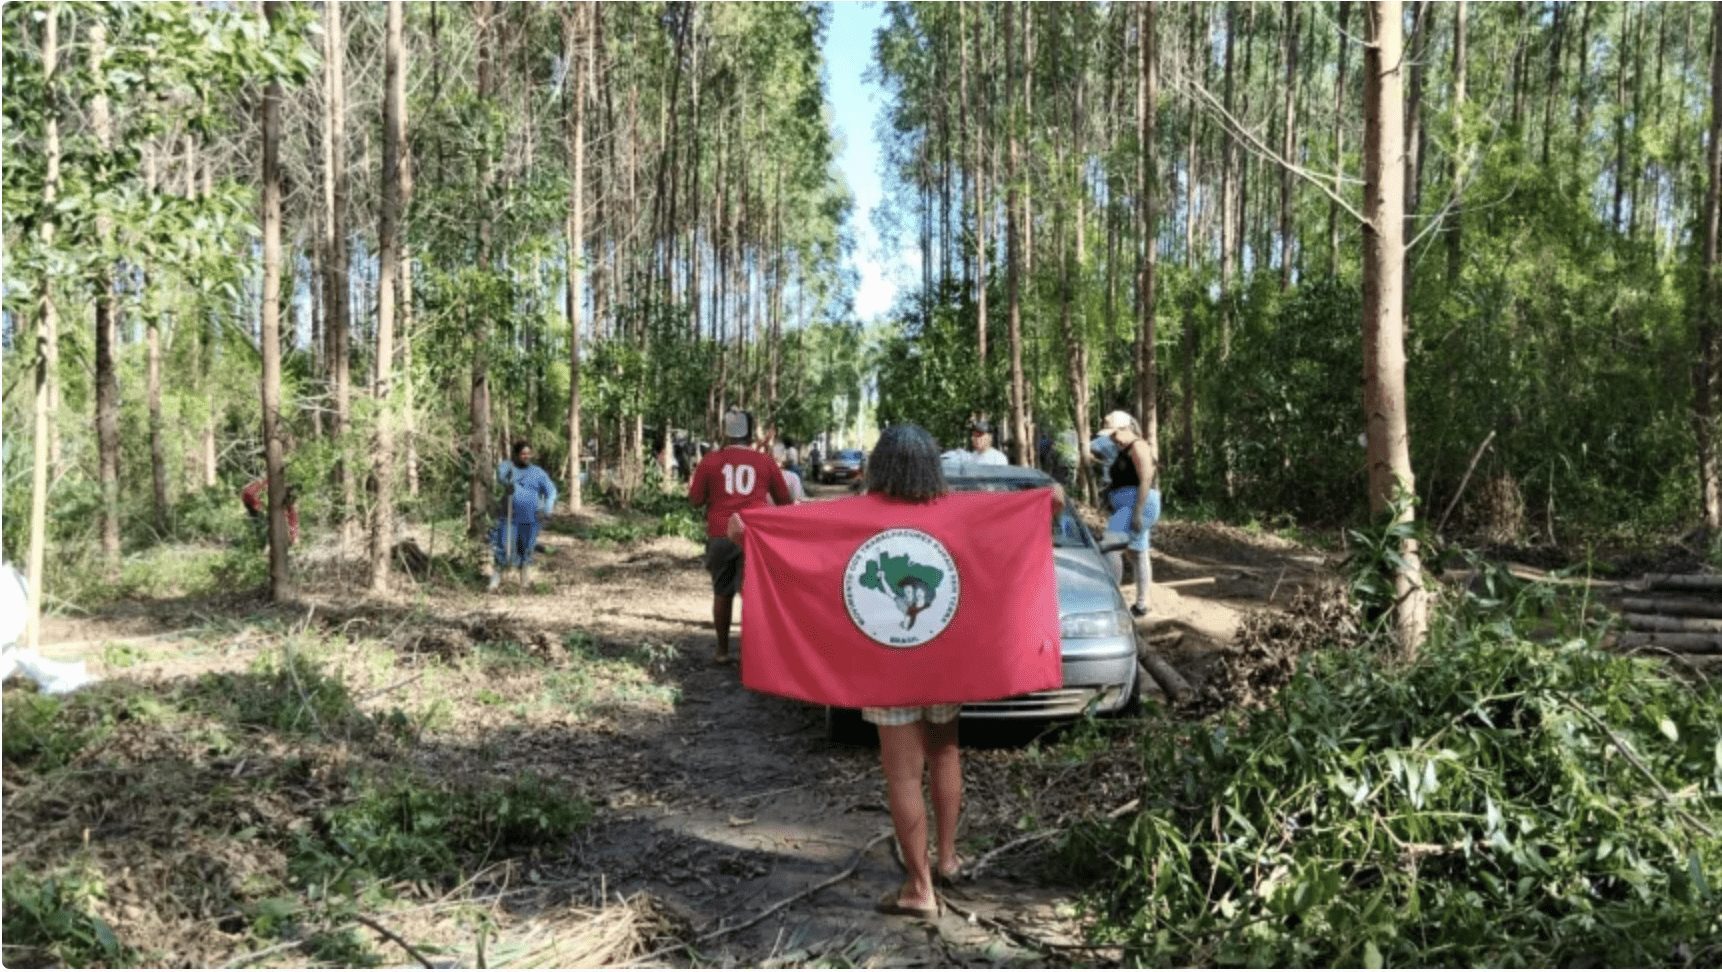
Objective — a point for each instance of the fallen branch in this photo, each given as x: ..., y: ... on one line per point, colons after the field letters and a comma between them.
x: 1684, y: 582
x: 1694, y: 644
x: 1667, y: 622
x: 980, y: 865
x: 1174, y: 684
x: 1464, y: 481
x: 377, y: 927
x: 1669, y: 605
x: 1625, y: 749
x: 725, y: 930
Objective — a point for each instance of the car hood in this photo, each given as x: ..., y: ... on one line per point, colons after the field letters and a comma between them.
x: 1085, y: 584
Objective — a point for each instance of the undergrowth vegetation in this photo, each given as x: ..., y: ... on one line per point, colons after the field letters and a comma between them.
x: 1497, y: 801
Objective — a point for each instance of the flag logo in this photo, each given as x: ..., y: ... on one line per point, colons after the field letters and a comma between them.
x: 901, y: 588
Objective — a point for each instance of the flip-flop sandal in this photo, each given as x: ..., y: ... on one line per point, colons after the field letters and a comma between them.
x: 890, y: 905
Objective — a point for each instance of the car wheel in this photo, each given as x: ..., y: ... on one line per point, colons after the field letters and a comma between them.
x: 846, y: 727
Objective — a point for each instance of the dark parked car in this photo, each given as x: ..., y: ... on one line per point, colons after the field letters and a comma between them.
x: 845, y: 466
x: 1101, y: 669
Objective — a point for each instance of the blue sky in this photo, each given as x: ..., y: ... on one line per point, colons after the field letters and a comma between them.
x: 855, y: 105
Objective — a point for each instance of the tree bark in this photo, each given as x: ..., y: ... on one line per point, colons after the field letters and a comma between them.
x: 152, y: 377
x: 1456, y: 216
x: 574, y: 114
x: 1014, y: 244
x: 389, y: 242
x: 1391, y: 484
x: 479, y: 445
x: 1338, y: 141
x: 1288, y: 146
x: 1147, y: 100
x: 1709, y: 364
x: 47, y: 341
x: 337, y: 323
x: 107, y: 325
x: 206, y: 357
x: 269, y: 112
x: 404, y: 306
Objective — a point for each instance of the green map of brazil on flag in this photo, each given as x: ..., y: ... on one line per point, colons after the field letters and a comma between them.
x: 878, y: 602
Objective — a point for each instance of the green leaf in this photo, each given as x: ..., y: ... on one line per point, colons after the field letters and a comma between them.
x: 1371, y: 956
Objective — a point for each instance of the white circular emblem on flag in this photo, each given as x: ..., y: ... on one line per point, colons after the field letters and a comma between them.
x: 901, y: 588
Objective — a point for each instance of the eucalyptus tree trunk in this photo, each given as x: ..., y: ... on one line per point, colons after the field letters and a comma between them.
x: 206, y: 354
x: 1709, y: 364
x: 47, y: 342
x: 1014, y: 244
x: 337, y: 312
x: 977, y: 181
x: 1147, y: 100
x: 389, y: 241
x: 1391, y: 484
x: 1456, y: 218
x: 152, y: 377
x: 404, y: 307
x: 1288, y: 146
x: 478, y: 400
x: 1338, y: 140
x: 107, y: 324
x: 269, y: 112
x: 574, y: 109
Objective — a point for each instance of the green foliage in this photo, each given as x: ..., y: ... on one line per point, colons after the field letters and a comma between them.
x: 1470, y: 809
x: 418, y: 828
x: 37, y: 736
x: 50, y: 919
x: 285, y: 692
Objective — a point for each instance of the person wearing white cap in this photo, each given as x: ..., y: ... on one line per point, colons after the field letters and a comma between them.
x: 729, y: 480
x: 1135, y: 496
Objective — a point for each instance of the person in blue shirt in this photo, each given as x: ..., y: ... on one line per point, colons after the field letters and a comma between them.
x: 525, y: 494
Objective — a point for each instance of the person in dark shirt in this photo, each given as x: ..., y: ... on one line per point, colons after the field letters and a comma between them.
x: 1134, y: 491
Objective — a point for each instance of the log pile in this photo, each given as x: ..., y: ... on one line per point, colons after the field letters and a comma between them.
x: 1679, y: 612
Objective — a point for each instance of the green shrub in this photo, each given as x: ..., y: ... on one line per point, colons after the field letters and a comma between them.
x: 38, y: 736
x: 1497, y: 802
x: 284, y: 691
x: 415, y: 828
x: 49, y: 920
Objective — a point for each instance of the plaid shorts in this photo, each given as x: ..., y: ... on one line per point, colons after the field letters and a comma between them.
x: 937, y: 714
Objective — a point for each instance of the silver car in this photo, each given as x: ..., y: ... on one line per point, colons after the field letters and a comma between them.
x: 1101, y: 668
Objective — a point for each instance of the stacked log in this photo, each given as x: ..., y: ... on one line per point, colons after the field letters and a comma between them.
x: 1679, y: 612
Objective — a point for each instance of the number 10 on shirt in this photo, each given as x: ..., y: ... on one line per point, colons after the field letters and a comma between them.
x: 739, y: 480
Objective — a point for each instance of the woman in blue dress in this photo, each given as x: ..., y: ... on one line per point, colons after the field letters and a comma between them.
x: 525, y: 494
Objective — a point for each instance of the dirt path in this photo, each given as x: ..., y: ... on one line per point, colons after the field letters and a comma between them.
x: 715, y: 802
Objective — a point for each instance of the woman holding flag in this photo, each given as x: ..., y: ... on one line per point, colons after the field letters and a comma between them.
x: 915, y: 741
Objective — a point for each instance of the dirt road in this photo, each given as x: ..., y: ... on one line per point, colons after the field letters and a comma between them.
x: 714, y: 804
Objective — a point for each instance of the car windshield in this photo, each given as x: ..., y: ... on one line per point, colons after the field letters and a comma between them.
x: 853, y: 455
x: 1067, y: 528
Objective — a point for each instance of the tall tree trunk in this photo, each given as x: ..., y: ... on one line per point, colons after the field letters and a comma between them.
x: 404, y: 306
x: 1422, y: 24
x: 1338, y: 140
x: 1581, y: 96
x: 152, y: 377
x: 1389, y: 441
x: 107, y: 325
x: 337, y: 293
x: 478, y: 445
x: 1554, y: 84
x: 269, y: 336
x: 1709, y: 364
x: 206, y: 356
x: 1288, y: 146
x: 1014, y: 244
x: 1456, y: 217
x: 574, y: 109
x: 389, y: 242
x: 977, y: 182
x: 1621, y: 56
x: 1147, y: 102
x: 47, y: 340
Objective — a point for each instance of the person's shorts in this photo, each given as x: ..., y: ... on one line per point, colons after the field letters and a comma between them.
x: 723, y: 562
x: 1123, y: 505
x: 936, y: 714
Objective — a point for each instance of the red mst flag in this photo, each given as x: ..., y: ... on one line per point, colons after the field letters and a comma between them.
x: 873, y: 601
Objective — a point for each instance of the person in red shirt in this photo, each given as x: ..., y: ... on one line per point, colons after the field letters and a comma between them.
x: 730, y: 480
x: 255, y: 496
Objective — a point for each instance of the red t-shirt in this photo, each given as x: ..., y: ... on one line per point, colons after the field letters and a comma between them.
x: 733, y: 479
